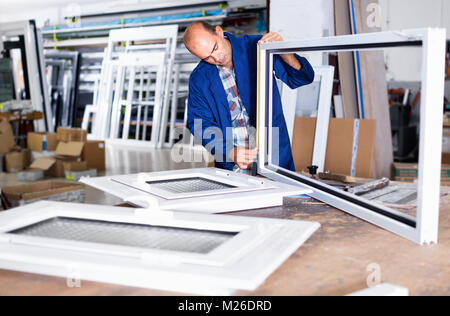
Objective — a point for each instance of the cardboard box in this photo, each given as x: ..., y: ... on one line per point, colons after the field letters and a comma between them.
x: 75, y: 166
x: 2, y: 162
x: 85, y: 155
x: 94, y: 155
x: 303, y: 142
x: 446, y: 158
x: 339, y: 155
x: 45, y: 164
x: 35, y: 140
x: 57, y: 170
x: 44, y: 190
x: 71, y: 134
x: 446, y: 145
x: 53, y: 167
x: 69, y: 149
x: 17, y: 160
x: 446, y: 140
x: 6, y: 137
x: 408, y: 172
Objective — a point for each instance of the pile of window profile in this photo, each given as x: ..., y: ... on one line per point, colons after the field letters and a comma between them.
x: 134, y: 90
x: 62, y: 70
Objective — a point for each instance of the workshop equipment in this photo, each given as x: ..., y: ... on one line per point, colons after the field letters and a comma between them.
x: 369, y: 186
x: 336, y: 177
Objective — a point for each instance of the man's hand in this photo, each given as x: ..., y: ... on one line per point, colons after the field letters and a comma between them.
x: 288, y: 58
x: 243, y: 157
x: 271, y: 37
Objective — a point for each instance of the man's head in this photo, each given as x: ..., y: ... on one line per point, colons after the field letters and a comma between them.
x: 209, y: 44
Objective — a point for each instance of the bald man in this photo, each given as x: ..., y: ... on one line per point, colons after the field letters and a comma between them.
x: 222, y: 94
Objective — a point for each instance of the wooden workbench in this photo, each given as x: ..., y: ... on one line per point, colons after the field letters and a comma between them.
x: 334, y: 261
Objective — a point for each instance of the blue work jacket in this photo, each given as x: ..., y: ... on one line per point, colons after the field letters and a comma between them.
x: 208, y: 106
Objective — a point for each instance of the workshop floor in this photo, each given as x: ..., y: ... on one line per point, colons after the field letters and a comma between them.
x: 123, y: 160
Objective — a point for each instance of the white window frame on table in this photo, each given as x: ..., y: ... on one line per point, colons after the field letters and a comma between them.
x: 243, y: 262
x: 424, y: 227
x: 249, y: 192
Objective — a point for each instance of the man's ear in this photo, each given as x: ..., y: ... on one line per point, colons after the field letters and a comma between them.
x: 219, y: 31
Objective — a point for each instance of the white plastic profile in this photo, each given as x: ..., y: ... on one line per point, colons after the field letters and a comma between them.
x: 174, y: 251
x: 424, y: 227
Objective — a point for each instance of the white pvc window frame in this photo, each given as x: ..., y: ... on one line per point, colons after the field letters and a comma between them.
x: 101, y: 112
x: 324, y: 75
x: 181, y: 69
x: 136, y: 65
x: 248, y: 192
x: 73, y: 60
x: 141, y: 183
x: 424, y: 227
x: 36, y: 68
x: 243, y: 262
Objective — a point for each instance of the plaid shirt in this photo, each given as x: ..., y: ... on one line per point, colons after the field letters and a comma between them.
x: 239, y: 116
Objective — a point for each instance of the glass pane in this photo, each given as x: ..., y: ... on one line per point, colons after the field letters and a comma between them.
x: 370, y: 147
x: 126, y: 234
x: 189, y: 185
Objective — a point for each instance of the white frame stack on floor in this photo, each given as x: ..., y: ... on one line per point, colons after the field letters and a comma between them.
x: 248, y: 192
x: 133, y: 41
x: 423, y: 228
x: 101, y: 98
x: 173, y: 112
x: 180, y: 70
x: 256, y: 248
x: 35, y: 65
x: 135, y: 67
